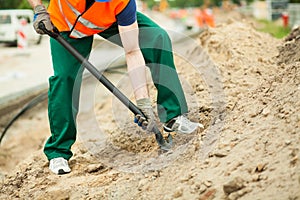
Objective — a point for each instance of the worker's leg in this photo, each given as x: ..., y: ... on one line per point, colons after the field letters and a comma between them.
x: 157, y: 51
x: 63, y: 96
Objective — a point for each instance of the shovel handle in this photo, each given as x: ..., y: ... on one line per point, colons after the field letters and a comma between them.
x: 94, y: 71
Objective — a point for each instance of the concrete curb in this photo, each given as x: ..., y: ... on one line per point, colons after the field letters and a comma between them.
x: 19, y: 99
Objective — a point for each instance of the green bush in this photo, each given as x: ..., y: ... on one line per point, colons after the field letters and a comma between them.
x: 17, y: 4
x: 14, y: 4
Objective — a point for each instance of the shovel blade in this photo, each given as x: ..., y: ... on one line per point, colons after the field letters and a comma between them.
x: 164, y: 143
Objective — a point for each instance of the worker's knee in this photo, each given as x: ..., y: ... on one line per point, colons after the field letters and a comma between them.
x: 64, y: 83
x: 155, y: 38
x: 161, y: 36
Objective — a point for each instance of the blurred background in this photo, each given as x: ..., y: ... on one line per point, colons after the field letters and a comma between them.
x: 279, y: 16
x: 24, y: 53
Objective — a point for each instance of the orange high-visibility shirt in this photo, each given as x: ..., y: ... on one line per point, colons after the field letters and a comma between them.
x: 71, y: 15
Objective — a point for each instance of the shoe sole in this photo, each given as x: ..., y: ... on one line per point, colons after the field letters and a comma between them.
x: 167, y: 129
x: 61, y: 172
x: 178, y: 131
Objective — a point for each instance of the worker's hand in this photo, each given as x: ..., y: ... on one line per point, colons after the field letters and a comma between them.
x: 145, y: 106
x: 41, y: 15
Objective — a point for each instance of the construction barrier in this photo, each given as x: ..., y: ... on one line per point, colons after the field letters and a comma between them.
x: 21, y: 36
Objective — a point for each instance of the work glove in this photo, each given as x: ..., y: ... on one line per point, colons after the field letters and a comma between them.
x: 145, y: 106
x: 41, y: 15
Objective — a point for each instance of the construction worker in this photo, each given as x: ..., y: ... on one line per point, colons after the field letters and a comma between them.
x: 145, y: 44
x: 208, y: 17
x: 204, y: 17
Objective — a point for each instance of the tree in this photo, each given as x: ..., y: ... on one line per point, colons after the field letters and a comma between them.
x: 14, y: 4
x: 184, y: 3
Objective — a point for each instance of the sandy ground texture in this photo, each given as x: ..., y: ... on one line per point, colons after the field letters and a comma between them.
x: 243, y: 85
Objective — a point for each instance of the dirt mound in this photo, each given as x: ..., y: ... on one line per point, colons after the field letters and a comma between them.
x: 254, y: 140
x: 245, y: 57
x: 289, y: 52
x: 235, y: 40
x: 293, y: 35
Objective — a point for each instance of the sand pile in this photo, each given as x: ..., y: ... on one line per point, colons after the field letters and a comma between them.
x: 289, y: 52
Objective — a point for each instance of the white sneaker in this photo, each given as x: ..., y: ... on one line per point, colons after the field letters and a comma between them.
x: 59, y: 166
x: 181, y: 124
